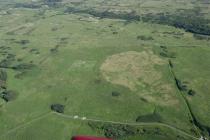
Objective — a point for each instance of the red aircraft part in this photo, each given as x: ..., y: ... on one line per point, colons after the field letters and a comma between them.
x: 88, y: 138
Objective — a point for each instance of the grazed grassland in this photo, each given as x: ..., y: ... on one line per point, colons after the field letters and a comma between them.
x: 111, y: 61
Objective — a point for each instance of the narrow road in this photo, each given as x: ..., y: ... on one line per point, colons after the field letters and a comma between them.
x: 73, y: 117
x: 127, y: 123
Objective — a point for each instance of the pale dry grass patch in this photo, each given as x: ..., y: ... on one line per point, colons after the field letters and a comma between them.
x: 127, y: 68
x: 137, y: 69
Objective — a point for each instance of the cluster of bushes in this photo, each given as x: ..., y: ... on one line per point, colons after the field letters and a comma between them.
x: 190, y: 21
x: 115, y: 131
x: 8, y: 95
x: 183, y: 87
x: 5, y: 48
x: 131, y: 16
x: 180, y: 85
x: 119, y: 131
x: 3, y: 75
x: 59, y: 108
x: 3, y: 78
x: 7, y: 61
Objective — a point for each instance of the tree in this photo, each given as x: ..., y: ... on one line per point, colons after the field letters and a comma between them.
x: 115, y: 94
x: 57, y: 108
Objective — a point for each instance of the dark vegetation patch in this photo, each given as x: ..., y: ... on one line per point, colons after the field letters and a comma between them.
x: 145, y: 38
x: 119, y: 131
x: 7, y: 61
x: 166, y: 53
x: 61, y: 43
x: 5, y: 94
x: 191, y: 92
x: 2, y: 48
x: 3, y: 78
x: 129, y: 16
x: 189, y: 20
x: 53, y: 3
x: 23, y: 67
x: 27, y: 5
x: 154, y: 117
x: 170, y: 63
x: 54, y: 28
x: 114, y: 32
x: 59, y: 108
x: 115, y: 94
x: 201, y: 37
x: 55, y: 49
x: 23, y: 42
x: 144, y: 100
x: 180, y: 85
x: 9, y: 95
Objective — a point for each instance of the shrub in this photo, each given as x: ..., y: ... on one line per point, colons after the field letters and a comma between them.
x: 57, y: 108
x: 5, y: 63
x: 53, y: 50
x: 9, y: 95
x: 191, y: 92
x: 170, y: 63
x: 163, y: 47
x: 23, y: 42
x: 141, y: 37
x: 3, y: 75
x: 180, y: 85
x: 115, y: 94
x: 23, y: 66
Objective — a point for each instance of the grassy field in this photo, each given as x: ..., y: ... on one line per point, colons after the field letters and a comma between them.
x: 113, y: 69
